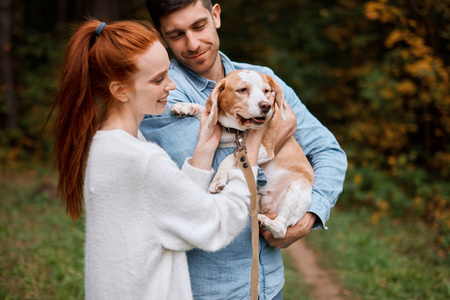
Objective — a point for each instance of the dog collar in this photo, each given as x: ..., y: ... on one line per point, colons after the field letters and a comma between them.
x: 239, y: 135
x: 233, y: 130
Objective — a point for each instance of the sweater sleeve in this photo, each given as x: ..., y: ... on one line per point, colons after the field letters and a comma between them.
x: 184, y: 215
x: 202, y: 177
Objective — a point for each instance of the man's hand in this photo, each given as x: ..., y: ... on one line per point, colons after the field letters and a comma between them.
x: 293, y: 233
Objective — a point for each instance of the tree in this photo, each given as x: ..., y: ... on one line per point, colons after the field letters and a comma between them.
x: 105, y: 10
x: 7, y: 74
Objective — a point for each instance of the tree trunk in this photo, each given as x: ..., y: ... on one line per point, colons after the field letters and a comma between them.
x: 61, y: 20
x: 7, y: 74
x: 105, y: 10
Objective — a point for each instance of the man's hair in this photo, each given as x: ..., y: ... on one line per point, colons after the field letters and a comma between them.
x: 160, y: 8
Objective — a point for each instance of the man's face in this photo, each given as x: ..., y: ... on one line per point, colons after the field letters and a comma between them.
x: 191, y: 33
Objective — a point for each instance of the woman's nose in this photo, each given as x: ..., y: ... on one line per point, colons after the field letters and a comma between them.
x: 170, y: 85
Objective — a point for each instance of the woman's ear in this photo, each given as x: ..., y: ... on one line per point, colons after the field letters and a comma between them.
x: 118, y: 91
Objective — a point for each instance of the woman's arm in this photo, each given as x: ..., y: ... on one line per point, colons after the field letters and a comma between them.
x: 182, y: 215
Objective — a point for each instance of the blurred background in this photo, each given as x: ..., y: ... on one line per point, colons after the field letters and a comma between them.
x: 376, y: 73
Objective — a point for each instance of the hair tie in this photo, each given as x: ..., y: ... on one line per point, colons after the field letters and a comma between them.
x: 100, y: 28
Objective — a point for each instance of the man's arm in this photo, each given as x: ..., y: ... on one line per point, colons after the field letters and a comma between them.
x: 327, y: 159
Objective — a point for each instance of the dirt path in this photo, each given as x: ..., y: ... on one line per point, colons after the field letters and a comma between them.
x: 324, y: 285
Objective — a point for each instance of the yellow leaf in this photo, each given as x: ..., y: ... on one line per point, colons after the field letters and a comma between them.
x: 406, y: 87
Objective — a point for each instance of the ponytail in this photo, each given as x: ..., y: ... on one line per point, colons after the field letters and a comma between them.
x: 92, y: 61
x: 76, y: 121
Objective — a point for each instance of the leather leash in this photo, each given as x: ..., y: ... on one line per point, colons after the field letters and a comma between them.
x: 242, y: 160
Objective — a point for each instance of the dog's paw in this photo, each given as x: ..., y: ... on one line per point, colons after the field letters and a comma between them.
x: 275, y: 227
x: 181, y: 110
x: 264, y: 221
x: 217, y: 185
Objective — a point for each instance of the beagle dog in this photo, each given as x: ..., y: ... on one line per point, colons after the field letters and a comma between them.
x: 241, y: 101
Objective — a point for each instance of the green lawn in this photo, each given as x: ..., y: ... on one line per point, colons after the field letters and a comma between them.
x: 390, y: 260
x: 41, y: 250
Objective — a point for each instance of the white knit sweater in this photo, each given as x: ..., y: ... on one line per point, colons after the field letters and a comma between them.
x: 143, y: 213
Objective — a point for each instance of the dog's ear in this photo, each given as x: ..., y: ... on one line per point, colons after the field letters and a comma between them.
x: 279, y: 98
x: 212, y: 103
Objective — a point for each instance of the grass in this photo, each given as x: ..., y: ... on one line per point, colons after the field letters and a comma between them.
x: 41, y: 250
x: 392, y: 260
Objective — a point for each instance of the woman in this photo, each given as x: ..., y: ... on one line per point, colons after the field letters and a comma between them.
x: 142, y: 212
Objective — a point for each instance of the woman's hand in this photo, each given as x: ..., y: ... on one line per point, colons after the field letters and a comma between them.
x: 208, y: 140
x: 209, y: 136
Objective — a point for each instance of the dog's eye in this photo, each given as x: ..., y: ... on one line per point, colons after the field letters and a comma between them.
x: 266, y: 91
x: 243, y: 90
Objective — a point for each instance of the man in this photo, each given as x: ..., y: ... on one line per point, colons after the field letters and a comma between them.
x: 189, y: 28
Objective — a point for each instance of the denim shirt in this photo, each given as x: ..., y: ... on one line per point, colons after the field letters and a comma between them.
x: 225, y: 274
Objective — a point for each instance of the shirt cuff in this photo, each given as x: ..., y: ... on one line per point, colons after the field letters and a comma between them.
x: 201, y: 177
x: 320, y: 209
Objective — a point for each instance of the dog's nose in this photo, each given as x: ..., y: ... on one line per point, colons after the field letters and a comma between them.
x: 264, y: 106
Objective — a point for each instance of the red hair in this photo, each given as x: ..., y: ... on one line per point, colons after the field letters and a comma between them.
x: 91, y: 63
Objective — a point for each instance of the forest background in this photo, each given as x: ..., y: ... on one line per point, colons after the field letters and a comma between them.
x: 376, y: 73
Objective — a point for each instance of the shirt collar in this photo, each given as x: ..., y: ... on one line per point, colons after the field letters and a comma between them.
x: 200, y: 82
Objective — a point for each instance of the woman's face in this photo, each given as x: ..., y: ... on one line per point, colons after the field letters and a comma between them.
x: 151, y: 82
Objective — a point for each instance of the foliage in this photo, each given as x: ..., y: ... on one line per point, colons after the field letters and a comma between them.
x: 393, y: 260
x: 377, y: 74
x: 36, y: 55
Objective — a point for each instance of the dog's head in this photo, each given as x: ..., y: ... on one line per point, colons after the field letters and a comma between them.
x: 242, y: 100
